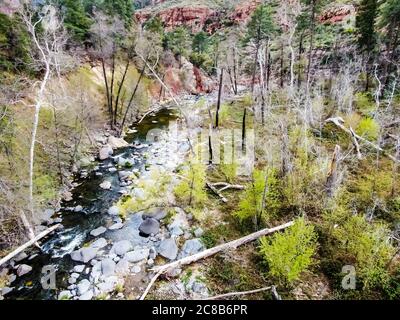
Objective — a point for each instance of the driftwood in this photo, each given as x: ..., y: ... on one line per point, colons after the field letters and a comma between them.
x: 242, y: 293
x: 150, y: 112
x: 339, y: 123
x: 275, y: 293
x: 159, y: 270
x: 28, y: 244
x: 216, y: 191
x: 226, y: 186
x: 332, y: 174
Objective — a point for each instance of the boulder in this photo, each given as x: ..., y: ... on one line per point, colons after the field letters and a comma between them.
x: 98, y: 231
x: 6, y: 290
x: 116, y: 143
x: 121, y: 247
x: 198, y: 232
x: 168, y: 249
x: 122, y: 267
x: 191, y: 247
x: 23, y: 269
x: 105, y: 152
x: 83, y: 286
x: 108, y: 285
x: 149, y: 226
x: 99, y: 243
x: 79, y: 268
x: 113, y: 211
x: 106, y: 185
x: 84, y: 254
x: 137, y: 255
x: 107, y: 267
x: 155, y: 213
x: 88, y: 295
x: 116, y: 226
x: 65, y: 295
x: 20, y: 257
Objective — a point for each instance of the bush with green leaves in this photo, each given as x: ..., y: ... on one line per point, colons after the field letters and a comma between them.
x: 368, y: 128
x: 260, y: 201
x: 290, y: 253
x: 191, y: 190
x: 366, y: 245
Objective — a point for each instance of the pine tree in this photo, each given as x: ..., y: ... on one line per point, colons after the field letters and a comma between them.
x: 75, y: 19
x: 365, y: 24
x: 260, y: 28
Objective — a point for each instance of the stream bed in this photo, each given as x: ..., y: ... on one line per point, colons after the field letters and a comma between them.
x: 89, y: 210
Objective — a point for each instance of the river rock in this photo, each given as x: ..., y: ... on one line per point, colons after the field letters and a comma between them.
x: 108, y: 285
x: 105, y: 152
x: 88, y: 295
x: 137, y: 255
x: 112, y: 170
x: 198, y: 232
x: 113, y: 211
x: 83, y: 286
x: 168, y: 249
x: 78, y: 208
x: 6, y: 290
x: 98, y: 231
x: 126, y: 162
x: 84, y: 254
x: 106, y: 185
x: 155, y: 213
x: 139, y: 193
x: 65, y: 295
x: 99, y: 243
x: 124, y: 175
x: 75, y: 275
x: 23, y: 269
x: 149, y: 226
x: 116, y: 226
x: 107, y: 267
x: 20, y: 257
x: 117, y: 143
x: 136, y: 269
x: 79, y: 268
x: 122, y: 267
x: 191, y: 247
x: 121, y: 247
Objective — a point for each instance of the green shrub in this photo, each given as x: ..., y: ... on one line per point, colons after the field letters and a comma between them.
x: 290, y: 253
x: 368, y: 128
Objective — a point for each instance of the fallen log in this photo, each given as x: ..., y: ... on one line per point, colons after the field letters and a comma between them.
x: 159, y: 270
x: 241, y: 293
x: 28, y: 244
x: 215, y: 190
x: 339, y: 123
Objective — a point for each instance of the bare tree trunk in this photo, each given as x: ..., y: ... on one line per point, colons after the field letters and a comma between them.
x: 310, y: 53
x: 131, y: 99
x: 282, y: 71
x: 121, y: 84
x: 219, y: 98
x: 244, y: 129
x: 58, y: 147
x: 103, y: 66
x: 332, y: 174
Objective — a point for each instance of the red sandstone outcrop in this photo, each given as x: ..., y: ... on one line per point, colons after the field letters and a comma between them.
x: 337, y: 14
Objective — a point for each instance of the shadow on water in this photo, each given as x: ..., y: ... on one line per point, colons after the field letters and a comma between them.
x: 77, y: 225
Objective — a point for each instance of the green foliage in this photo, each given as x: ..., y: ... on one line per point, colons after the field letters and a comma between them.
x: 155, y: 25
x: 364, y: 103
x: 261, y: 25
x: 365, y: 244
x: 191, y: 190
x: 178, y: 41
x: 201, y: 42
x: 45, y: 187
x: 122, y: 8
x: 229, y: 170
x: 365, y: 24
x: 75, y: 19
x: 368, y: 128
x: 14, y: 44
x: 251, y: 205
x: 290, y: 253
x: 202, y: 60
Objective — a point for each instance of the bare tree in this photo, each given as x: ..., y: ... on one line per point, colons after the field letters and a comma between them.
x: 48, y: 45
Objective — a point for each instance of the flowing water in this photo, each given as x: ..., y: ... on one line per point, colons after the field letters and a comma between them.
x: 95, y: 203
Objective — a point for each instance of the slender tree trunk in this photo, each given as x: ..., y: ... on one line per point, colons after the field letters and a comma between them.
x: 121, y: 84
x: 131, y: 98
x: 253, y: 80
x: 103, y: 66
x: 310, y: 53
x: 235, y: 71
x: 282, y: 71
x: 58, y: 147
x: 244, y: 129
x: 219, y: 97
x: 299, y: 59
x: 112, y: 89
